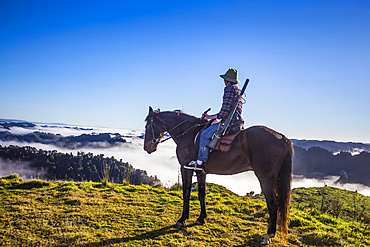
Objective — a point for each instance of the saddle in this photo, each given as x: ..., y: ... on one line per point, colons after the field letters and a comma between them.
x: 226, y: 141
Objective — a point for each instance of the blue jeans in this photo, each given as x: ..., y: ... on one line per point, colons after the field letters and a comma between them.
x: 205, y: 137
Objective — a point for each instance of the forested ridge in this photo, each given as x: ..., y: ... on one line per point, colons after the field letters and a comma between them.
x: 53, y: 165
x: 317, y: 162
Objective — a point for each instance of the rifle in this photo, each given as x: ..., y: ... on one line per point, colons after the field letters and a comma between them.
x: 224, y: 127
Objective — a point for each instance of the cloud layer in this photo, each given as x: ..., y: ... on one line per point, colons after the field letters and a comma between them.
x: 162, y: 163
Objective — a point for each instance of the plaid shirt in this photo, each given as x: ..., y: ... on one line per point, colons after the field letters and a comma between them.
x: 231, y: 92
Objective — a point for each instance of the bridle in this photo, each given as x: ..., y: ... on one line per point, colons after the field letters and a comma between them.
x: 158, y: 140
x: 154, y: 139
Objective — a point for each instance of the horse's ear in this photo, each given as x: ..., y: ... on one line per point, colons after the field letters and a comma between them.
x: 159, y: 110
x: 150, y: 111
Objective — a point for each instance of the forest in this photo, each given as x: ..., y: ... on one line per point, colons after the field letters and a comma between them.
x: 53, y: 165
x: 317, y: 162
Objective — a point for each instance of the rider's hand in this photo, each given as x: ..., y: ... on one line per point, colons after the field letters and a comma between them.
x: 209, y: 117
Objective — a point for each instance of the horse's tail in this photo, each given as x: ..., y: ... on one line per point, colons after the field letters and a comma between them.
x: 283, y: 191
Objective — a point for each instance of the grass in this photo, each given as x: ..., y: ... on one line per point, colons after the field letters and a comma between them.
x: 41, y: 213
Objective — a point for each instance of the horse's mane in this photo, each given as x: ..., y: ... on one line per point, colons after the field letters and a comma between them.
x: 179, y: 113
x: 175, y: 112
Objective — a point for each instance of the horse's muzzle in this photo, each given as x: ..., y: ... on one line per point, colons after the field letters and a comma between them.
x: 150, y: 149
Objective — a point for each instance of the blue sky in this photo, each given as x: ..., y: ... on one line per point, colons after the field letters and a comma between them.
x: 102, y: 63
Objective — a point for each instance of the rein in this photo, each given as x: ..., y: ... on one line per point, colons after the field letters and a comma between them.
x: 157, y: 140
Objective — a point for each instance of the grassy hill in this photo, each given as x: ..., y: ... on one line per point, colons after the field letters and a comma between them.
x: 41, y: 213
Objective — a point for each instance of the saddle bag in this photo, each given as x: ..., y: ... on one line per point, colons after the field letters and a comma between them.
x: 224, y: 145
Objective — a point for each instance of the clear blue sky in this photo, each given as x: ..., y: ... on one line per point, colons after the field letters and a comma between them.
x: 102, y: 63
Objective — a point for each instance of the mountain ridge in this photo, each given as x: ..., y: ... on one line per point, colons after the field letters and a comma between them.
x: 333, y: 146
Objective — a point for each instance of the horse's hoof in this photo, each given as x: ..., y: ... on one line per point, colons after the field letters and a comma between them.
x: 266, y: 239
x: 199, y: 222
x: 179, y: 224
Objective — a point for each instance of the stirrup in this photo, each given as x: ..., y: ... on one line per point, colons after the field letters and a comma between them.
x: 194, y: 166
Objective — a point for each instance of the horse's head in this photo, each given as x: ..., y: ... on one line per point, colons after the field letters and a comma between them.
x: 153, y: 132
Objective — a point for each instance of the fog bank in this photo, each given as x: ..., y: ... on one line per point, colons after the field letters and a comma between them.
x: 162, y: 163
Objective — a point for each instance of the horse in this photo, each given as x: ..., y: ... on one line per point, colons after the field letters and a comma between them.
x: 258, y: 148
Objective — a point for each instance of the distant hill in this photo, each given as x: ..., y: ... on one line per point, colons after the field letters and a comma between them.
x: 7, y: 124
x: 317, y: 162
x: 332, y: 146
x: 101, y: 140
x: 2, y: 120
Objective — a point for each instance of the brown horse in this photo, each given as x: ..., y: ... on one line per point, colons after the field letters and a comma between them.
x: 268, y: 153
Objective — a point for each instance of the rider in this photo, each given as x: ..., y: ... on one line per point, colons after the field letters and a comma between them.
x: 231, y: 92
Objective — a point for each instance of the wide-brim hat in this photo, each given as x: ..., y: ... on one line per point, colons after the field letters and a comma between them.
x: 231, y: 75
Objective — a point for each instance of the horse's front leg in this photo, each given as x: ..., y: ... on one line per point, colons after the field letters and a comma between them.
x: 202, y: 197
x: 186, y: 176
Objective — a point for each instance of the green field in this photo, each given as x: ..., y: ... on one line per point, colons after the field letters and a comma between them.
x: 41, y: 213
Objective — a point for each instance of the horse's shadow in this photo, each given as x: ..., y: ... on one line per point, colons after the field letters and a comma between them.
x: 147, y: 235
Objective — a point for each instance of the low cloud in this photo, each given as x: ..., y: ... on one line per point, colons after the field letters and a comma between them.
x: 162, y: 163
x: 24, y: 170
x: 300, y: 181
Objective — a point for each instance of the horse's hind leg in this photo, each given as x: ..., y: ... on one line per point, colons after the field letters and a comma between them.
x: 186, y: 176
x: 268, y: 189
x: 201, y: 177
